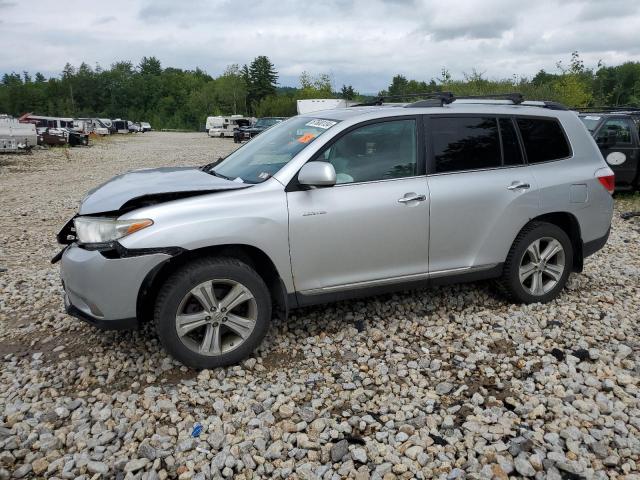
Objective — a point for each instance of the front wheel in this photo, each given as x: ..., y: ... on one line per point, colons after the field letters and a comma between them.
x: 213, y: 312
x: 538, y: 264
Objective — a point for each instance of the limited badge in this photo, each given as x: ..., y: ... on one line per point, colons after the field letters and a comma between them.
x: 616, y: 158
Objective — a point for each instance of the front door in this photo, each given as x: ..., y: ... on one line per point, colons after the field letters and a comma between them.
x: 371, y: 228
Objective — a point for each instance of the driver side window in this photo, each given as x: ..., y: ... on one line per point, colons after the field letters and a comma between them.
x: 378, y: 151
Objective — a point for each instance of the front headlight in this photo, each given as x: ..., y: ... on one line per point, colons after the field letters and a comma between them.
x: 103, y: 230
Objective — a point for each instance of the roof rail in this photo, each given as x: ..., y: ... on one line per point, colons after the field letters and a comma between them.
x: 553, y: 105
x: 440, y: 97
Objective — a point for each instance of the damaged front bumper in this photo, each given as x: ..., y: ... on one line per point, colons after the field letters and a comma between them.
x: 102, y: 288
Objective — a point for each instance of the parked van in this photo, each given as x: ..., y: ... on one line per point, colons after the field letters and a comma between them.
x: 90, y: 125
x: 221, y: 126
x: 16, y: 136
x: 119, y: 126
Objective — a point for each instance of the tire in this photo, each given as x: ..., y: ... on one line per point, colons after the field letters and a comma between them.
x: 526, y: 279
x: 213, y: 336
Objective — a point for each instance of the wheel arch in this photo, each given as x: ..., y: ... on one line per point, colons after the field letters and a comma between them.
x: 570, y: 225
x: 252, y: 256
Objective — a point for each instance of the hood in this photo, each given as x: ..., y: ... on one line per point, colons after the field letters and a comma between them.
x: 143, y: 187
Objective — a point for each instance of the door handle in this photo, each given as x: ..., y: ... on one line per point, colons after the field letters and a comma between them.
x: 519, y: 186
x: 412, y: 198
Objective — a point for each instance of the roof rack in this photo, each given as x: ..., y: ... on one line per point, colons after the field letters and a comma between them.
x: 440, y: 99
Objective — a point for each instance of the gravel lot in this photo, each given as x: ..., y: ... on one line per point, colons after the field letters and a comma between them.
x: 450, y: 382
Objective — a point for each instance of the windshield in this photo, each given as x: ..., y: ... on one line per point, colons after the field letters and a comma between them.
x: 267, y: 122
x: 270, y: 151
x: 591, y: 122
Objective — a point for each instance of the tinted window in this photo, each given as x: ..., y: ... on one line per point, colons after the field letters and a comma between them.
x: 510, y: 146
x: 590, y: 121
x: 619, y: 127
x: 543, y: 140
x: 375, y: 152
x: 465, y: 143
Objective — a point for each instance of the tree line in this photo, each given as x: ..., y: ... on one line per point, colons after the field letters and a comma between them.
x: 176, y: 98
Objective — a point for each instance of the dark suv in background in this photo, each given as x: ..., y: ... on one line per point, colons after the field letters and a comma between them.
x: 616, y: 132
x: 246, y: 133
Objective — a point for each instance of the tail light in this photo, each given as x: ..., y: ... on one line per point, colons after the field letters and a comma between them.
x: 608, y: 182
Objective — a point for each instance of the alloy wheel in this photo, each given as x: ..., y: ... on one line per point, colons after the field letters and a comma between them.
x: 216, y: 316
x: 542, y: 266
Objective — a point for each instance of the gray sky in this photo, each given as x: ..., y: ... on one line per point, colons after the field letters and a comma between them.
x: 360, y: 42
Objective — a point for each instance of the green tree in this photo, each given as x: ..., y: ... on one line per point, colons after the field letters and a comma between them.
x: 150, y: 66
x: 276, y: 106
x: 318, y: 86
x: 347, y: 92
x: 263, y: 79
x: 232, y: 90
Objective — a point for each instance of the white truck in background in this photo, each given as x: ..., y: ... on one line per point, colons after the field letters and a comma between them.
x: 317, y: 104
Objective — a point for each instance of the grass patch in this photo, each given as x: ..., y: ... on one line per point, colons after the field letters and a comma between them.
x: 627, y: 201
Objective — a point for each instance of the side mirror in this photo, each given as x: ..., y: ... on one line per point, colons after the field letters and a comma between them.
x: 317, y: 174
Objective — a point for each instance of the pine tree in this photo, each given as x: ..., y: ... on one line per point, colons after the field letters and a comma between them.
x: 263, y: 79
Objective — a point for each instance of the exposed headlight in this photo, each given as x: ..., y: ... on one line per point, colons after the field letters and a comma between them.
x: 104, y: 230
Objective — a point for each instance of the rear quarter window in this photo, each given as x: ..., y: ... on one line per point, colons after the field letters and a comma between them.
x: 543, y: 139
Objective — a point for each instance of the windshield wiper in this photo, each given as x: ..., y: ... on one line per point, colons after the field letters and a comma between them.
x: 209, y: 166
x: 219, y: 175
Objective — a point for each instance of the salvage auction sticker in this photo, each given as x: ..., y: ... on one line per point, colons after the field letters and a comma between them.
x: 616, y: 158
x: 324, y: 124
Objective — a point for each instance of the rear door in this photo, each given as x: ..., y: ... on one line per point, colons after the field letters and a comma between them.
x: 482, y: 193
x: 624, y: 156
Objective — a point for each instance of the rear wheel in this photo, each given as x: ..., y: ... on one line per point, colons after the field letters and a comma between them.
x: 538, y: 264
x: 213, y: 312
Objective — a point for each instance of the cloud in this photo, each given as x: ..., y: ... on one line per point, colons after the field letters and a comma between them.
x: 104, y: 20
x: 476, y: 29
x: 358, y: 42
x: 599, y: 10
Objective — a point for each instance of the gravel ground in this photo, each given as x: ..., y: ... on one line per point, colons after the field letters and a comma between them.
x: 451, y: 382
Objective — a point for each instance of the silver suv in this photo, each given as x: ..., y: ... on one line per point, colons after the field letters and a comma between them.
x: 338, y: 204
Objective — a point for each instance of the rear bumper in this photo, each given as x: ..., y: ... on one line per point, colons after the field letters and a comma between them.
x: 589, y: 248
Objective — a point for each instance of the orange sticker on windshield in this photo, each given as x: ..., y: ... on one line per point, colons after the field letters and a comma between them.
x: 306, y: 138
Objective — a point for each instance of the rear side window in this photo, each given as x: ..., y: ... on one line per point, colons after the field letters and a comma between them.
x: 510, y: 145
x: 465, y: 143
x: 543, y: 139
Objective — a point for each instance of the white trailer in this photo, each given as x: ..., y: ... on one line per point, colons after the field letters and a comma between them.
x: 90, y: 125
x: 221, y: 126
x: 43, y: 122
x: 16, y: 136
x: 318, y: 104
